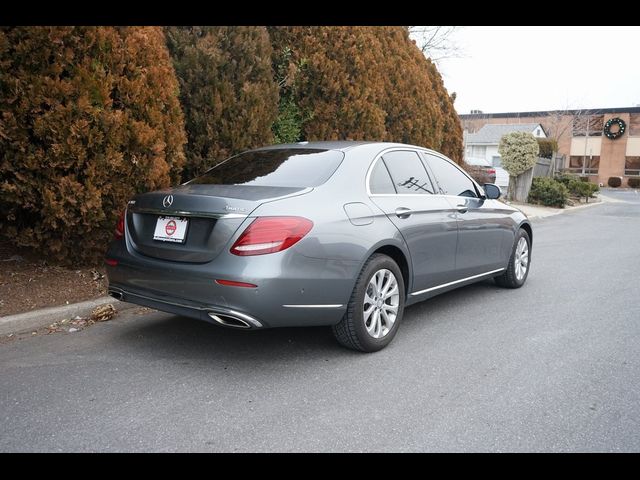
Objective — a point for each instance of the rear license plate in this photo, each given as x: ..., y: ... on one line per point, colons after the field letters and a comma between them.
x: 171, y: 229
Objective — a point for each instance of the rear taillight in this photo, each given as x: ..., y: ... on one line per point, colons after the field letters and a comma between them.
x: 270, y: 235
x: 119, y: 232
x: 491, y: 171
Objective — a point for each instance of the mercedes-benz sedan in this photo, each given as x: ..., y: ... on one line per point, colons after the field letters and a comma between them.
x: 343, y: 234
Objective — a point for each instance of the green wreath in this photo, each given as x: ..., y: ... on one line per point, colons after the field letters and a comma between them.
x: 621, y: 128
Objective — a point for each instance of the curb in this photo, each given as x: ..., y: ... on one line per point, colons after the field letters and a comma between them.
x: 570, y: 209
x: 46, y: 316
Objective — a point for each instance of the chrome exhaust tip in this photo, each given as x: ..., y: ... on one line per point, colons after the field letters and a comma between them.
x: 228, y: 320
x: 115, y: 294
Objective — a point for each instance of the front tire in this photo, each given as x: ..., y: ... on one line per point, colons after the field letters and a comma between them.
x: 516, y: 273
x: 375, y: 308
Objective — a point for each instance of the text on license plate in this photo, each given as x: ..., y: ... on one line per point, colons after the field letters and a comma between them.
x: 171, y: 229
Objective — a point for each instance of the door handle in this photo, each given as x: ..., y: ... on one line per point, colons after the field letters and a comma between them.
x: 462, y: 208
x: 403, y: 212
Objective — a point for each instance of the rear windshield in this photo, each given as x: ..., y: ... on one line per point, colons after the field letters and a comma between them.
x: 294, y: 167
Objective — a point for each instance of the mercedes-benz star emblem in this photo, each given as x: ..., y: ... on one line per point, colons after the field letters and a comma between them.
x: 167, y: 201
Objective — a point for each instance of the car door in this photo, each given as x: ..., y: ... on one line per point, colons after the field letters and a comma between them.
x: 400, y: 185
x: 483, y: 226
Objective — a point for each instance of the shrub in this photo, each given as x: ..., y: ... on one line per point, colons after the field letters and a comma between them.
x: 634, y: 182
x: 89, y: 116
x: 584, y: 178
x: 548, y: 192
x: 548, y: 146
x: 227, y: 91
x: 564, y: 178
x: 614, y: 182
x: 519, y: 151
x: 583, y: 189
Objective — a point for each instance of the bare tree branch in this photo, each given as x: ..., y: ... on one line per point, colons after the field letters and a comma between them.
x: 436, y: 42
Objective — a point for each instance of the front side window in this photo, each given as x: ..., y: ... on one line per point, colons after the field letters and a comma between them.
x: 450, y: 180
x: 280, y: 167
x: 407, y: 172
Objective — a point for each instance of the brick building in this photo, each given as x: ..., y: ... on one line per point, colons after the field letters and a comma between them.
x: 581, y: 141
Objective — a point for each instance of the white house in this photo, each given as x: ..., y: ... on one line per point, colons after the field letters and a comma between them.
x: 481, y: 147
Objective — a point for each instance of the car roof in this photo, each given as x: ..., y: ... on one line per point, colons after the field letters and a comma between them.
x: 342, y: 145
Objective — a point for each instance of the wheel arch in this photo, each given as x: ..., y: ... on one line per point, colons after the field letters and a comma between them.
x: 401, y: 258
x: 526, y: 226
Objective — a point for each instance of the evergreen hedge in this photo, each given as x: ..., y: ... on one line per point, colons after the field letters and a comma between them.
x: 89, y: 116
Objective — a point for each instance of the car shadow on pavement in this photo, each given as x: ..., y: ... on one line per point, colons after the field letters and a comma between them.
x: 165, y: 335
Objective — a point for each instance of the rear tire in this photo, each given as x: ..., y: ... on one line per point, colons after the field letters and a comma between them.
x: 519, y: 263
x: 375, y: 308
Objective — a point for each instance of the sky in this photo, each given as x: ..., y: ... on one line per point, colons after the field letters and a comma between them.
x: 518, y: 69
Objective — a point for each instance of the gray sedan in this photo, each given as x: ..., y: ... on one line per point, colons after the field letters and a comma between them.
x: 343, y: 234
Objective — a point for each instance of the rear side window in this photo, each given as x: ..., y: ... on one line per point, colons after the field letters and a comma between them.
x: 380, y: 181
x: 407, y: 172
x: 291, y: 167
x: 450, y: 179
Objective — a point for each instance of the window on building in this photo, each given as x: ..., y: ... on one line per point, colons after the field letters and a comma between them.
x: 593, y: 124
x: 634, y: 125
x: 537, y: 132
x: 591, y: 166
x: 632, y: 166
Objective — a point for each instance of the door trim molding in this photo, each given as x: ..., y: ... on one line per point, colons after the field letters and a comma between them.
x: 426, y: 290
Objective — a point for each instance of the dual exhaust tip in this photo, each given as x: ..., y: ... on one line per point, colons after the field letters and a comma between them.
x: 228, y: 320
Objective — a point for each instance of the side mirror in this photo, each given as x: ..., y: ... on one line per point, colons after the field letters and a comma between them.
x: 492, y: 191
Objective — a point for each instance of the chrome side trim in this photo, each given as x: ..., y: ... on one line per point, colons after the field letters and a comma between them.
x: 180, y: 213
x: 325, y: 305
x: 457, y: 281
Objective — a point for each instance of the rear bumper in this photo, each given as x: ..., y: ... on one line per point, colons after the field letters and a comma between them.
x: 292, y: 290
x: 219, y: 315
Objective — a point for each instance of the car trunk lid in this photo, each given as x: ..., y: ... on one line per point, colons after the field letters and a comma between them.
x: 213, y: 214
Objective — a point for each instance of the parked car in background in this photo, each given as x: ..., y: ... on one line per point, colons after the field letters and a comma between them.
x: 480, y: 170
x: 500, y: 175
x: 343, y: 234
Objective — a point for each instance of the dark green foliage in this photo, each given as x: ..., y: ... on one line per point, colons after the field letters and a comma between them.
x: 581, y: 189
x: 227, y: 91
x: 564, y: 178
x: 89, y: 116
x: 614, y: 182
x: 634, y: 182
x: 548, y: 192
x: 361, y: 83
x: 288, y: 125
x: 578, y: 186
x: 548, y: 146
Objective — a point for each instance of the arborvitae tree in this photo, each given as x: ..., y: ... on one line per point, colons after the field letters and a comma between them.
x: 89, y: 116
x: 337, y: 84
x: 227, y: 91
x: 366, y: 83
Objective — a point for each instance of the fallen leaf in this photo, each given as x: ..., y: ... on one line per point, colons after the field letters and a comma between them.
x: 103, y: 313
